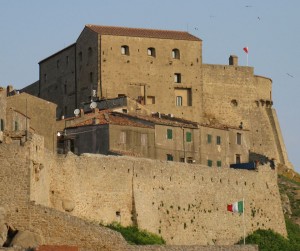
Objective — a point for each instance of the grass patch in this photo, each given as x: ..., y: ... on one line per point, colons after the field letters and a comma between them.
x: 137, y: 237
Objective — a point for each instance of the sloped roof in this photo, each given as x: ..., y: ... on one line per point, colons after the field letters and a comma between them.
x: 141, y: 32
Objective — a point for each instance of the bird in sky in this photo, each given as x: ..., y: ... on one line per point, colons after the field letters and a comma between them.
x: 289, y: 75
x: 248, y: 6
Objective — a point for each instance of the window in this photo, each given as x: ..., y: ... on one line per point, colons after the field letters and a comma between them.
x: 169, y: 134
x: 209, y: 163
x: 209, y: 137
x: 178, y: 101
x: 150, y: 100
x: 188, y: 137
x: 218, y: 140
x: 67, y: 60
x: 177, y: 78
x: 151, y: 52
x: 143, y: 139
x: 16, y: 124
x: 169, y: 157
x: 239, y: 138
x: 1, y: 125
x: 91, y: 77
x: 175, y: 54
x: 45, y: 78
x: 57, y: 64
x: 125, y: 50
x: 65, y: 89
x: 123, y: 137
x: 90, y: 51
x: 80, y: 56
x: 219, y: 163
x: 237, y: 158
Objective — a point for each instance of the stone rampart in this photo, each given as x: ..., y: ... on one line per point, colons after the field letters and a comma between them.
x: 17, y: 175
x: 186, y: 204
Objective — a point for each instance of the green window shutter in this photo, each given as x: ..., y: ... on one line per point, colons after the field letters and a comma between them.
x: 209, y: 138
x: 169, y: 134
x: 209, y: 163
x: 219, y: 163
x: 169, y: 157
x: 188, y: 137
x: 16, y: 126
x: 218, y: 140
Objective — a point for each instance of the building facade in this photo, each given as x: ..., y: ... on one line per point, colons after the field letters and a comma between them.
x: 162, y: 70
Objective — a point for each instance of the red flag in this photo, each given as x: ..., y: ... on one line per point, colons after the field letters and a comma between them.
x: 245, y: 49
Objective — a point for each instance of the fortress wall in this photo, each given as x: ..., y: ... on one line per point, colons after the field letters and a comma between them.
x: 54, y: 227
x: 186, y: 204
x: 222, y: 85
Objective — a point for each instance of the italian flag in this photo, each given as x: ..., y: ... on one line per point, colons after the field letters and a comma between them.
x: 236, y: 207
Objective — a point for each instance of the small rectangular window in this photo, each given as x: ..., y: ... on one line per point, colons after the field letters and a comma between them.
x: 57, y: 64
x: 169, y: 157
x: 169, y: 134
x: 218, y: 140
x: 65, y: 89
x: 237, y: 158
x: 209, y: 137
x: 239, y: 138
x: 188, y: 137
x: 219, y: 163
x: 177, y: 78
x: 1, y: 125
x: 16, y: 124
x: 209, y: 163
x: 178, y: 101
x: 150, y: 100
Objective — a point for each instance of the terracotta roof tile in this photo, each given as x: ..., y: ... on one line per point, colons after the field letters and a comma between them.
x: 140, y: 32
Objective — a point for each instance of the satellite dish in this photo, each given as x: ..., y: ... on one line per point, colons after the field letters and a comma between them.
x: 93, y: 105
x: 76, y: 112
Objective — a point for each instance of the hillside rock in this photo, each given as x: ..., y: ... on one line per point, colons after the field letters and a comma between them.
x: 26, y: 239
x: 3, y: 227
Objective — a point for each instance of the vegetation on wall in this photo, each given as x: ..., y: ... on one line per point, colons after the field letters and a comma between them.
x: 135, y: 236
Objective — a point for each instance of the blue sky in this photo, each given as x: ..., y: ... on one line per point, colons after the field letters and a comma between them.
x: 31, y: 30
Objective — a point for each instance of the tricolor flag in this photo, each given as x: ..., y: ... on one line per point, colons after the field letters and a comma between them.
x: 246, y: 49
x: 236, y: 207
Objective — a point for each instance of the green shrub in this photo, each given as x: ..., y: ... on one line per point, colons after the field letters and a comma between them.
x: 268, y: 240
x: 135, y: 236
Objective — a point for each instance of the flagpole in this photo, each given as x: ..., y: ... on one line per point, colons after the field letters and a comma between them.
x: 244, y: 219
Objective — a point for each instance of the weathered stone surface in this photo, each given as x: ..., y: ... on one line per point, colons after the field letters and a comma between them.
x: 3, y: 227
x: 286, y: 206
x: 68, y: 205
x: 26, y: 239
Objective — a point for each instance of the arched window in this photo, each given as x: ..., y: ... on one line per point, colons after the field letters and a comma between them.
x: 124, y: 50
x: 151, y: 52
x: 175, y: 54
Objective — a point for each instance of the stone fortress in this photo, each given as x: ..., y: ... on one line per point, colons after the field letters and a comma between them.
x: 57, y: 197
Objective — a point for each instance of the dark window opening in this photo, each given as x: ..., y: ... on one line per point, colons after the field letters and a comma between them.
x: 169, y: 157
x: 209, y: 138
x: 169, y: 134
x: 209, y: 163
x: 175, y: 54
x: 177, y: 78
x: 125, y: 50
x: 219, y: 163
x: 188, y: 137
x: 237, y: 158
x: 239, y: 138
x: 151, y: 52
x: 218, y: 140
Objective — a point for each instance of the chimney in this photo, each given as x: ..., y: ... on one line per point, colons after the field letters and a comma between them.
x: 233, y: 60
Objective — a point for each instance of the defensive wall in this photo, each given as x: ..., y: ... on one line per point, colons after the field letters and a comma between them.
x: 20, y: 165
x: 233, y: 94
x: 185, y: 204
